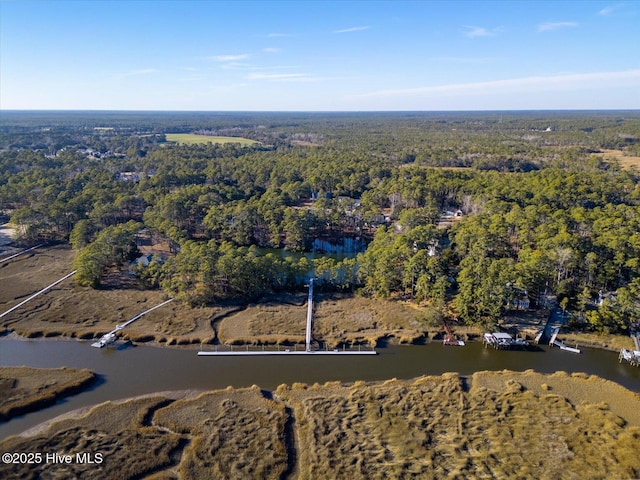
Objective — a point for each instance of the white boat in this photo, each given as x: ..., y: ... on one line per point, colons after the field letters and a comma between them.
x: 105, y: 340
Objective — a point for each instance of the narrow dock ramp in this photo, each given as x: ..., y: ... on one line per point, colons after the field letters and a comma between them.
x: 111, y: 337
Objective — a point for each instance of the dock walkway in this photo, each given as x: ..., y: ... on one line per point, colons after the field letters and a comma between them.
x: 111, y: 337
x: 6, y: 259
x: 287, y: 351
x: 44, y: 290
x: 280, y: 351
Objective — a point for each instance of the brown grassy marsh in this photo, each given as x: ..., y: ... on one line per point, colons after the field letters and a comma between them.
x: 488, y: 425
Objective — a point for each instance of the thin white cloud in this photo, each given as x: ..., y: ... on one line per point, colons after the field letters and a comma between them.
x: 474, y: 32
x: 271, y: 50
x: 352, y: 29
x: 549, y: 26
x: 609, y: 10
x: 572, y: 81
x: 229, y: 58
x: 276, y: 35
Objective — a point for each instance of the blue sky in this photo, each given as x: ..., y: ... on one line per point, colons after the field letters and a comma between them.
x: 317, y: 55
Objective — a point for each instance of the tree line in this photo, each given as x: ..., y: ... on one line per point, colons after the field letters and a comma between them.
x: 541, y: 213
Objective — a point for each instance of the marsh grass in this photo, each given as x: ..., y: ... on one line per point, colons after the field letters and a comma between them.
x: 597, y: 340
x: 24, y: 389
x: 71, y: 311
x: 129, y: 448
x: 337, y: 319
x: 545, y: 435
x: 506, y: 425
x: 236, y: 434
x: 577, y: 388
x: 433, y: 428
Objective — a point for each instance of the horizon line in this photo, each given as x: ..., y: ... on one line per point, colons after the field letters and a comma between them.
x: 124, y: 110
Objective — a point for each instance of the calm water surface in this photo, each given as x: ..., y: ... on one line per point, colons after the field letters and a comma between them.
x: 131, y: 371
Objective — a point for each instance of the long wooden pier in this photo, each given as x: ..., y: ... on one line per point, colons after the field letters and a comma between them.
x: 287, y: 351
x: 45, y: 289
x: 6, y: 259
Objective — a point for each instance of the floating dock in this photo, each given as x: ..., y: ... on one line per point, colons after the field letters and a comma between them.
x: 554, y: 342
x: 287, y: 351
x: 562, y: 346
x: 503, y: 341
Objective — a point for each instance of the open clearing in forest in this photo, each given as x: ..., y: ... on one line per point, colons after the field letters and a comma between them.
x: 488, y: 425
x: 626, y: 161
x: 193, y: 139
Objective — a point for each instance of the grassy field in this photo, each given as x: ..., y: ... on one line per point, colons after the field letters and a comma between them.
x: 626, y: 161
x: 193, y: 139
x: 24, y: 389
x: 490, y: 425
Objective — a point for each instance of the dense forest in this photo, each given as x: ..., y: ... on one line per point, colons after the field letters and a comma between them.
x: 473, y: 213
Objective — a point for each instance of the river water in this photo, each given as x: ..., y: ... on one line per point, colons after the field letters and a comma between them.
x: 136, y: 370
